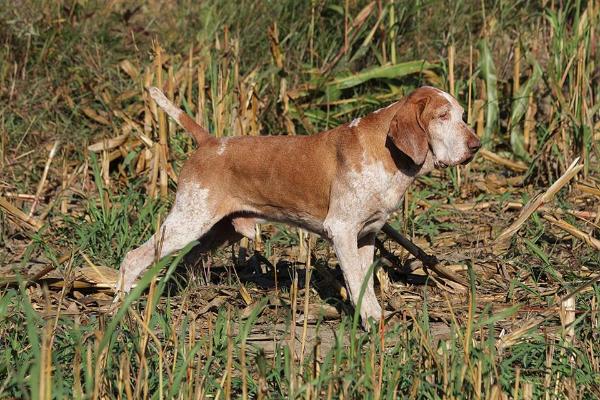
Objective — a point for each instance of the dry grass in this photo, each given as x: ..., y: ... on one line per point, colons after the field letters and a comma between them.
x: 88, y: 165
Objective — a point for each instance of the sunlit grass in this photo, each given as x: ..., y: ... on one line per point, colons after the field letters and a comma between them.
x: 76, y: 71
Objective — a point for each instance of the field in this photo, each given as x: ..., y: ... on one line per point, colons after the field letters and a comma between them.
x: 89, y: 166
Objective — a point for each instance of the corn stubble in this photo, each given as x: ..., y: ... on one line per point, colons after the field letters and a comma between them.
x: 518, y: 227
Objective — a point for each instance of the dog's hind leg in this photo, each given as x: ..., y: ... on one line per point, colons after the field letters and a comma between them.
x: 226, y: 232
x: 191, y: 217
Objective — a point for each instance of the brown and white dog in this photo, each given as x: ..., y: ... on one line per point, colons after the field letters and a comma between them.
x: 341, y: 184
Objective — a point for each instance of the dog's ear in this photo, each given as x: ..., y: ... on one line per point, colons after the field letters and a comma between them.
x: 408, y: 132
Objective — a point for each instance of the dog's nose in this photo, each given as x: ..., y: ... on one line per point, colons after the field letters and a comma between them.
x: 474, y: 143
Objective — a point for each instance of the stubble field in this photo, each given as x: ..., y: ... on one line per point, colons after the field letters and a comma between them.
x: 88, y: 171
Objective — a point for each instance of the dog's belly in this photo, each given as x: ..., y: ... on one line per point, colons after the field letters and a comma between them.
x: 297, y: 218
x: 310, y: 223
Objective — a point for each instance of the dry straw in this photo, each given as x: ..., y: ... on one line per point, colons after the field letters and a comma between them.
x: 539, y: 201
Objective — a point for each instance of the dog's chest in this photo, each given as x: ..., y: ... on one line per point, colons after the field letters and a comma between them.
x: 373, y: 189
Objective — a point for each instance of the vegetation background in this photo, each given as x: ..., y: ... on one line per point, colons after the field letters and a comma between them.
x: 88, y: 167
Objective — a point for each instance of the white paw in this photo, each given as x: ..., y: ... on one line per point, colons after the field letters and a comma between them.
x: 370, y: 309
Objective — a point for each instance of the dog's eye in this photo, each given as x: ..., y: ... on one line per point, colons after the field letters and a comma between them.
x: 444, y: 115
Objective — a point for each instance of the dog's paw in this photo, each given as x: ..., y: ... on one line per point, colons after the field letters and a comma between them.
x: 370, y: 311
x: 116, y: 303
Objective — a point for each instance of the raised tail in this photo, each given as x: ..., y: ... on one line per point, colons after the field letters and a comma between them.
x: 184, y: 120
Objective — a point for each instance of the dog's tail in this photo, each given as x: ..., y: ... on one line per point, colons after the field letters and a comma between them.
x: 184, y: 120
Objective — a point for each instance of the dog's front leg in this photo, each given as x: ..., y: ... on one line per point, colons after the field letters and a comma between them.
x: 366, y: 251
x: 355, y: 265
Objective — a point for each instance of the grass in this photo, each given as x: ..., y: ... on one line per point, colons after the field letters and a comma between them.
x: 525, y: 326
x: 171, y: 359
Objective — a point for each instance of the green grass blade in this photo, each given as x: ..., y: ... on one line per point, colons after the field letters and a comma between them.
x: 142, y: 284
x: 488, y: 73
x: 519, y: 108
x: 381, y: 72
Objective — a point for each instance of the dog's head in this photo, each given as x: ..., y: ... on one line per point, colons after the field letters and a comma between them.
x: 430, y: 119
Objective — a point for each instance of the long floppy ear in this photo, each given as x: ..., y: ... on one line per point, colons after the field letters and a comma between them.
x: 408, y: 133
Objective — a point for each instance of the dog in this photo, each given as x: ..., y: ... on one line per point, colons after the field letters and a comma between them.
x: 341, y: 184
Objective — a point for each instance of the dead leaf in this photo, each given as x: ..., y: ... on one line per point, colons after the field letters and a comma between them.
x: 98, y: 275
x: 91, y: 114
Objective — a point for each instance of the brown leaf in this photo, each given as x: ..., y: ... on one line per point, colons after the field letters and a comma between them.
x: 98, y: 275
x: 91, y: 114
x: 129, y: 69
x: 108, y: 144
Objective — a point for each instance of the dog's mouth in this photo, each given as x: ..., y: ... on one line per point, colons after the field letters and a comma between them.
x: 439, y: 164
x: 468, y: 160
